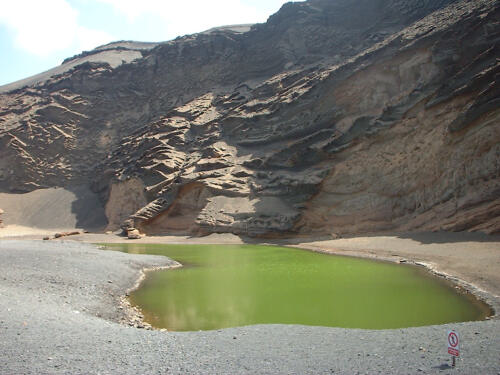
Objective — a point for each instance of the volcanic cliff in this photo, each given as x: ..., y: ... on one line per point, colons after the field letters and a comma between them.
x: 327, y: 119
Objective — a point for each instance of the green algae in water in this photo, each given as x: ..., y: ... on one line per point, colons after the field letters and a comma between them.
x: 235, y: 285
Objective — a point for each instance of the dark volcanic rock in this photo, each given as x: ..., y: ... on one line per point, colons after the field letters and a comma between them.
x: 328, y: 118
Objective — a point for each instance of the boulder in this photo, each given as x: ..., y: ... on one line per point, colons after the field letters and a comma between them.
x: 127, y: 226
x: 133, y: 234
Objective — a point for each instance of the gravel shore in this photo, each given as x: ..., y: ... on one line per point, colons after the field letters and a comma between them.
x: 60, y: 314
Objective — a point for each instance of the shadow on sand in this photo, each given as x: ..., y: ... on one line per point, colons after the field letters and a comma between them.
x: 88, y: 209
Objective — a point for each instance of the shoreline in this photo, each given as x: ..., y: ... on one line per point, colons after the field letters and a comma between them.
x: 491, y: 300
x: 356, y: 246
x: 136, y: 317
x: 75, y: 286
x: 338, y: 247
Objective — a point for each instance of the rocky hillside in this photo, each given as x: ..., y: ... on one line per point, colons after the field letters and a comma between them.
x: 328, y: 119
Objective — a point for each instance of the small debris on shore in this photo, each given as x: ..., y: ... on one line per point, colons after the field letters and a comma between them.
x: 65, y: 234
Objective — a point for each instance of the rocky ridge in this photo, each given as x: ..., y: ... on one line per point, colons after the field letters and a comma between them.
x: 324, y: 120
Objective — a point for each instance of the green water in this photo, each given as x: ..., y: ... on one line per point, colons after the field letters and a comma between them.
x: 236, y: 285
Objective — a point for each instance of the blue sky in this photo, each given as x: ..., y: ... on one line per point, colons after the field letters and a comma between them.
x: 36, y: 35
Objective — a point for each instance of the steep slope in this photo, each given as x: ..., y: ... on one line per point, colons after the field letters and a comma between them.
x: 326, y: 119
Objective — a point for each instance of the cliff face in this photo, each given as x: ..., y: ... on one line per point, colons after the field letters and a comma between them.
x: 327, y: 119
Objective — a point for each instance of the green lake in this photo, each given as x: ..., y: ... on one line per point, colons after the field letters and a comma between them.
x: 235, y: 285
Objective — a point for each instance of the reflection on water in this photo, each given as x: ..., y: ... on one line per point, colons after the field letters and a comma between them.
x: 234, y: 285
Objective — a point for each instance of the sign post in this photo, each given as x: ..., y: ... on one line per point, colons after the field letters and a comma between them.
x: 453, y: 345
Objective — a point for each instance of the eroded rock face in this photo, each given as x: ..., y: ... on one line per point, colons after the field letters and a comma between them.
x: 325, y: 120
x: 124, y: 197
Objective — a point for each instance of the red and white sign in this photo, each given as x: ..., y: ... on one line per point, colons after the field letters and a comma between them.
x: 453, y: 343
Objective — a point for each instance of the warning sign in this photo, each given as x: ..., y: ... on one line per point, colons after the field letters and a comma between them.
x: 453, y: 343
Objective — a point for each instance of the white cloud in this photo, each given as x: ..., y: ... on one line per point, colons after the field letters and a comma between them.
x: 181, y: 17
x: 88, y: 39
x: 44, y: 27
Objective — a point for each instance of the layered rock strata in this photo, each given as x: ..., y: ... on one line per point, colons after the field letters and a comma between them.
x: 327, y: 119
